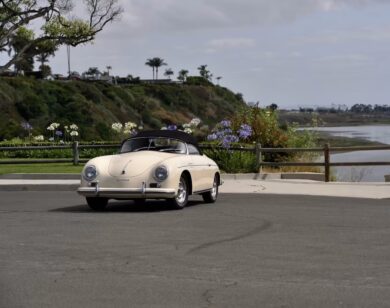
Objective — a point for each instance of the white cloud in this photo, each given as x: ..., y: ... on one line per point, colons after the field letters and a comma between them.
x: 381, y: 34
x: 183, y: 15
x: 229, y: 43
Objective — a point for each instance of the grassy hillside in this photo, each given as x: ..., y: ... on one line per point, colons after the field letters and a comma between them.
x: 95, y: 106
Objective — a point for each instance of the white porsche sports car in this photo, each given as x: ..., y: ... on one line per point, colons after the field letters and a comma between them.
x: 157, y: 164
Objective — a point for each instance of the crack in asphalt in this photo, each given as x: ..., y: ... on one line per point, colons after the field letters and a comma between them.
x: 207, y: 296
x: 264, y: 226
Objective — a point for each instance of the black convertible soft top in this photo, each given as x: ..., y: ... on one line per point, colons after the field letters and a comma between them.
x: 174, y: 134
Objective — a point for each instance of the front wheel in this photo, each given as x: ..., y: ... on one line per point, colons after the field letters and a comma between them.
x: 181, y: 199
x: 97, y: 203
x: 212, y: 195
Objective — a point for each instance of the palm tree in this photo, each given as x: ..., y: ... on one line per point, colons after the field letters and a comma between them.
x: 168, y: 73
x: 43, y: 58
x: 108, y: 67
x: 150, y: 62
x: 157, y: 63
x: 218, y: 79
x: 182, y: 75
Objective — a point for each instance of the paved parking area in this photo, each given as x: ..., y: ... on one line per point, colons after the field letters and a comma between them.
x: 247, y: 250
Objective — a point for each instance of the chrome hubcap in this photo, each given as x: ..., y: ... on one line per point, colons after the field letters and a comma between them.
x: 182, y: 192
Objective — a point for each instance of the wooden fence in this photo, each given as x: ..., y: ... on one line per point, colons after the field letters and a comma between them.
x: 326, y: 151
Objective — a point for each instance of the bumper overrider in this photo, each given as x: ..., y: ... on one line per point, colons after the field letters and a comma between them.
x: 126, y: 193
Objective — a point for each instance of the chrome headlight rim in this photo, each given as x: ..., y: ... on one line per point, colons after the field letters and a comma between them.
x: 158, y: 169
x: 90, y: 179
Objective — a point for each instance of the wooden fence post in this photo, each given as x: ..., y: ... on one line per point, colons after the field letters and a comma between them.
x: 76, y: 156
x: 326, y: 162
x: 259, y: 158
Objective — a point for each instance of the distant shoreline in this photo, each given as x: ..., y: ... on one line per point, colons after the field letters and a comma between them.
x: 336, y: 141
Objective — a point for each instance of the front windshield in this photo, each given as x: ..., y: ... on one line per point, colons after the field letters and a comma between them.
x: 159, y: 144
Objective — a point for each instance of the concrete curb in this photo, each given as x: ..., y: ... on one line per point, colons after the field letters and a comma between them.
x: 40, y: 176
x: 38, y: 187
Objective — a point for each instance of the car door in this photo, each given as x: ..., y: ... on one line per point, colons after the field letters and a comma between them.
x: 200, y: 170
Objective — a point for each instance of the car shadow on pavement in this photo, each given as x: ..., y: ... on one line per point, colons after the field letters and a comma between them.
x: 126, y: 207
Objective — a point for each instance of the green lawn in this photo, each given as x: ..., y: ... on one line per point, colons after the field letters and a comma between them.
x: 41, y: 168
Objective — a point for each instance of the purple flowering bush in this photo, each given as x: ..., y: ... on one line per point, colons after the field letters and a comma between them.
x: 224, y: 135
x: 227, y: 135
x: 250, y: 126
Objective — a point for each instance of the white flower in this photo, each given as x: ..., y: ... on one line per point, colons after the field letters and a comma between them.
x: 188, y: 130
x: 39, y: 138
x: 74, y: 127
x: 195, y: 122
x: 51, y: 139
x: 187, y: 125
x: 117, y: 127
x: 53, y: 126
x: 163, y: 128
x: 74, y: 133
x: 130, y: 126
x: 66, y: 128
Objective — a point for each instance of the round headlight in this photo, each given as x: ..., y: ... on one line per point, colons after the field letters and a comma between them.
x: 90, y: 173
x: 161, y: 173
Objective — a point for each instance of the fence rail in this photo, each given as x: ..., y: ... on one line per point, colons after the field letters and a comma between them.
x: 257, y: 150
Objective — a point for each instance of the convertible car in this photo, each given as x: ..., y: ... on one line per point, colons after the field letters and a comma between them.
x: 152, y: 165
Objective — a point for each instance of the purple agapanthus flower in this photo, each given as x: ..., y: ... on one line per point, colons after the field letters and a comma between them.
x: 26, y: 126
x: 227, y: 140
x: 212, y: 137
x: 172, y: 127
x: 227, y: 131
x: 225, y: 123
x: 245, y: 131
x: 58, y: 133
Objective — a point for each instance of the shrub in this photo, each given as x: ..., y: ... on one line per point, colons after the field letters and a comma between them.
x: 31, y: 106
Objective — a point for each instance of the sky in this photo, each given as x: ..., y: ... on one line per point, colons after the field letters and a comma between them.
x: 294, y: 53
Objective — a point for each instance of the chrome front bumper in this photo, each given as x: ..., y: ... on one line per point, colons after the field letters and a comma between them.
x: 127, y: 193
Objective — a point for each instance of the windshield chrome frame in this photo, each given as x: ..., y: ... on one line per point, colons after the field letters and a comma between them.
x: 185, y: 144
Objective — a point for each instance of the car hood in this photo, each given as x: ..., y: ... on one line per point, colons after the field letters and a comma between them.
x: 135, y: 163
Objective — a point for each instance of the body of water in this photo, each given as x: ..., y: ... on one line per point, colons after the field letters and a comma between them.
x: 378, y: 133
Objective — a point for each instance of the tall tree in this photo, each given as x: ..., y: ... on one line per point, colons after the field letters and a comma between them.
x: 18, y: 41
x: 158, y: 62
x: 168, y: 72
x: 204, y: 72
x: 182, y: 75
x: 109, y: 68
x: 218, y: 79
x: 45, y: 50
x: 58, y: 20
x: 155, y: 63
x: 150, y: 62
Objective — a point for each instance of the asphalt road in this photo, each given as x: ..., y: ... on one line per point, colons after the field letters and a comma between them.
x: 244, y: 251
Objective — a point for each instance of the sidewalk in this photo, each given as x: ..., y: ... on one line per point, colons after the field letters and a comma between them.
x: 232, y: 184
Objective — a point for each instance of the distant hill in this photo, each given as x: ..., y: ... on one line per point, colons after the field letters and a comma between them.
x: 94, y: 106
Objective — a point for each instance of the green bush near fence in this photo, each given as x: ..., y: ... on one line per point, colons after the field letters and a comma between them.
x: 53, y: 153
x: 233, y: 161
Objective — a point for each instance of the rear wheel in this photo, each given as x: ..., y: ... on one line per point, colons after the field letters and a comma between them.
x: 97, y: 203
x: 181, y: 199
x: 212, y: 195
